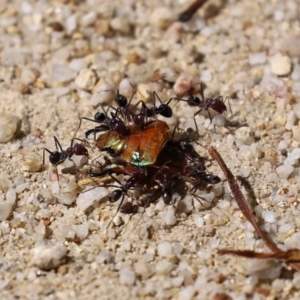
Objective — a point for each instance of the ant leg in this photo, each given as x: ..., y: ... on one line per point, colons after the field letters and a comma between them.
x: 57, y: 144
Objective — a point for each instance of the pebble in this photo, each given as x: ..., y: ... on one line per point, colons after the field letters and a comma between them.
x: 48, y: 257
x: 32, y: 163
x: 62, y: 73
x: 127, y: 276
x: 21, y: 88
x: 164, y: 249
x: 102, y: 93
x: 186, y: 82
x: 78, y: 64
x: 168, y: 217
x: 5, y: 210
x: 126, y: 88
x: 121, y: 25
x: 90, y: 197
x: 284, y: 171
x: 88, y: 19
x: 296, y: 133
x: 257, y: 58
x: 86, y: 79
x: 281, y: 66
x: 163, y: 267
x: 9, y: 127
x: 67, y: 193
x: 245, y: 135
x: 29, y: 76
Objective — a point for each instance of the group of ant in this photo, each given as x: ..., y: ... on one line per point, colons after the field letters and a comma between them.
x: 140, y: 146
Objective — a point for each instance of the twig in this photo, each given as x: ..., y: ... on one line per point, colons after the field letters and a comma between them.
x: 189, y: 12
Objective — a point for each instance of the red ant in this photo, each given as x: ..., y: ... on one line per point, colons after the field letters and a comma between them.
x: 59, y: 156
x: 216, y: 104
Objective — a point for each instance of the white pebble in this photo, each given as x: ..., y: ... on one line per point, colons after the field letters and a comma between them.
x: 71, y: 23
x: 284, y: 171
x: 88, y: 19
x: 86, y: 79
x: 47, y: 257
x: 121, y: 25
x: 245, y: 172
x: 177, y: 281
x: 126, y: 88
x: 186, y: 293
x: 102, y: 93
x: 163, y: 267
x: 272, y: 177
x: 90, y: 197
x: 127, y: 276
x: 245, y: 135
x: 257, y: 58
x: 61, y: 73
x: 199, y: 221
x: 164, y: 249
x: 293, y: 241
x: 206, y: 76
x: 291, y: 118
x: 281, y: 65
x: 78, y: 64
x: 168, y: 217
x: 9, y: 126
x: 269, y: 216
x: 11, y: 195
x: 82, y: 230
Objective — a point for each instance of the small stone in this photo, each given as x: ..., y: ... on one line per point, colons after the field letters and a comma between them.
x: 32, y: 163
x: 257, y: 58
x: 164, y: 249
x: 245, y: 135
x: 162, y: 17
x: 88, y: 19
x: 281, y: 66
x: 62, y: 73
x: 78, y: 64
x: 68, y: 192
x: 121, y: 25
x: 144, y: 92
x: 9, y: 127
x: 169, y: 217
x: 102, y: 26
x: 48, y: 257
x: 102, y: 93
x: 296, y: 133
x: 284, y: 171
x: 186, y: 83
x: 20, y: 88
x: 86, y: 79
x: 6, y: 209
x: 90, y: 197
x: 127, y: 276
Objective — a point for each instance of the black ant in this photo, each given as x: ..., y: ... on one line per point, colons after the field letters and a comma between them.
x: 138, y: 175
x: 59, y: 156
x: 114, y: 123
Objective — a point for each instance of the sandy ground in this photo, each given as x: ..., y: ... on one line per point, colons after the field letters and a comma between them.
x: 245, y: 50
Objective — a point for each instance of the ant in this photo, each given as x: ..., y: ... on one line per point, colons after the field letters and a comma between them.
x: 114, y: 123
x: 59, y: 156
x: 138, y: 175
x: 216, y: 104
x: 139, y: 119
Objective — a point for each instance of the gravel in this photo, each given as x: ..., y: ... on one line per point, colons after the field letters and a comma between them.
x: 60, y: 60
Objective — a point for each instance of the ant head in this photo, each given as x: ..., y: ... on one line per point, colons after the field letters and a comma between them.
x: 100, y: 117
x: 121, y: 100
x: 165, y: 111
x: 212, y: 179
x: 54, y: 157
x: 194, y: 101
x: 115, y: 195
